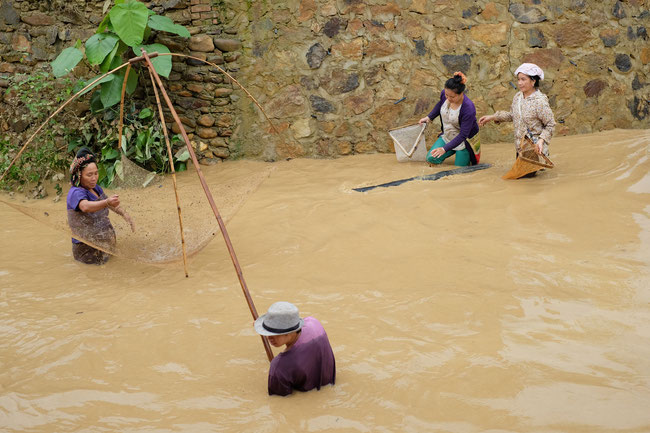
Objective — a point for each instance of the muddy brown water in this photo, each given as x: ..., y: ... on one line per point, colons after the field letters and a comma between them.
x: 467, y: 304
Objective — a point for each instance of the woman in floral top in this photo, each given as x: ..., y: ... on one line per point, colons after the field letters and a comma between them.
x: 530, y: 112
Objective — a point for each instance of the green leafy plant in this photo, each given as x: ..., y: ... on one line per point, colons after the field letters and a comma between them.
x: 122, y: 33
x: 31, y: 98
x: 142, y: 142
x: 123, y: 30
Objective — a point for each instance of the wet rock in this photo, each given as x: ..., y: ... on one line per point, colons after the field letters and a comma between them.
x: 310, y: 83
x: 526, y: 14
x: 341, y: 82
x: 418, y: 6
x: 364, y: 147
x: 490, y: 11
x: 209, y: 161
x: 21, y: 42
x: 231, y: 57
x: 175, y: 4
x: 639, y: 107
x: 227, y: 44
x: 206, y: 132
x: 572, y: 34
x: 385, y: 12
x: 618, y: 10
x: 623, y: 62
x: 420, y: 48
x: 321, y: 105
x: 577, y: 5
x: 175, y: 45
x: 645, y: 55
x: 546, y: 58
x: 455, y: 63
x: 637, y: 84
x: 361, y: 102
x: 221, y: 152
x: 19, y: 124
x: 536, y: 38
x: 351, y: 50
x: 470, y: 12
x: 301, y: 128
x: 206, y: 120
x: 287, y: 102
x: 594, y: 88
x: 7, y: 67
x: 225, y: 121
x: 594, y: 63
x: 334, y: 26
x: 289, y: 149
x: 490, y: 34
x: 41, y: 51
x: 374, y: 75
x: 307, y: 10
x: 631, y: 35
x: 315, y: 55
x: 609, y: 37
x: 9, y: 14
x: 38, y: 19
x: 344, y: 147
x: 380, y: 48
x: 201, y: 43
x: 222, y: 92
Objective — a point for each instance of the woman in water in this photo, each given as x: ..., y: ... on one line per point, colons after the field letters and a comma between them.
x: 458, y: 116
x: 88, y: 208
x: 529, y: 112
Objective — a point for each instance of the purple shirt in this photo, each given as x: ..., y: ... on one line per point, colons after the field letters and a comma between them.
x: 308, y: 364
x: 466, y: 120
x: 82, y: 222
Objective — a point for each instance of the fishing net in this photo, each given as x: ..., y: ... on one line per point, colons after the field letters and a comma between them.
x: 528, y: 160
x: 410, y: 144
x: 150, y: 202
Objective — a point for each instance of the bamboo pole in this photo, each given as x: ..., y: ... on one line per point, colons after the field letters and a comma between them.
x: 171, y: 163
x: 22, y: 149
x: 222, y: 226
x: 121, y: 124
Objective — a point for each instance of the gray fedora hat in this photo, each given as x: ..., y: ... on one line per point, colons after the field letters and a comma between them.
x: 282, y: 318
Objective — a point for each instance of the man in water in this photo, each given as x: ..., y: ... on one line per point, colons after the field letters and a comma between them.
x: 308, y: 361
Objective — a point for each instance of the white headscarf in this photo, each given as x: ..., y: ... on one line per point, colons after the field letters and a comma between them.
x: 530, y: 69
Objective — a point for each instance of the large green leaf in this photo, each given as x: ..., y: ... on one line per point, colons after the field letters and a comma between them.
x: 165, y: 24
x: 66, y: 61
x: 98, y: 46
x: 132, y: 81
x: 108, y: 61
x: 130, y: 20
x: 111, y: 92
x: 106, y: 79
x: 162, y: 64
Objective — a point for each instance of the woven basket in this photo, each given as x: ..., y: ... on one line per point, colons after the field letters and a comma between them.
x: 528, y: 160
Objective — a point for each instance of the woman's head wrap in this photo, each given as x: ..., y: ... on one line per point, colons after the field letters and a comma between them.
x: 531, y: 70
x: 83, y: 158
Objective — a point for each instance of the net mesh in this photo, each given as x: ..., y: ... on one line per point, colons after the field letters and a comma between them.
x: 410, y: 143
x: 528, y: 160
x: 157, y: 236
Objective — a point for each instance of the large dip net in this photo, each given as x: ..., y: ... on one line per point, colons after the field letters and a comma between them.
x: 528, y: 160
x: 157, y: 238
x: 410, y: 144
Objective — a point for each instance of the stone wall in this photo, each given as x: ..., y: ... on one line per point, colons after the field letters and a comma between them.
x: 33, y: 33
x: 335, y: 75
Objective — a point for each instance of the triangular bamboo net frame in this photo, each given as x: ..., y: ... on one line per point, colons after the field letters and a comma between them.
x: 158, y: 85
